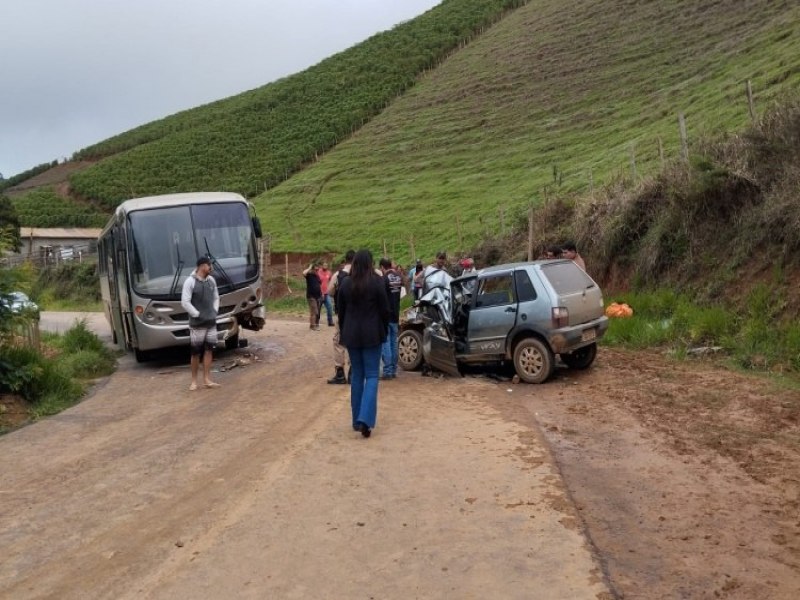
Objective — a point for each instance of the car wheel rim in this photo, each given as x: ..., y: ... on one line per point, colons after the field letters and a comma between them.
x: 531, y: 361
x: 408, y: 349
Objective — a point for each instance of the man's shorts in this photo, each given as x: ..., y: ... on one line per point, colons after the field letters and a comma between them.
x: 202, y: 339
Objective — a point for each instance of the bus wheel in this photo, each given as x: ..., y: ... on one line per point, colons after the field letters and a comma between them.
x: 232, y: 342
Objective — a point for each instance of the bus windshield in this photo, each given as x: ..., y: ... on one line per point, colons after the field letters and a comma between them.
x: 166, y: 243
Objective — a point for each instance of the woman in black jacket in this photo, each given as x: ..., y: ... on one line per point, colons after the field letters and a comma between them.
x: 363, y: 320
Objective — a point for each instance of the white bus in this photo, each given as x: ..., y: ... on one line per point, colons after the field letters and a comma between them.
x: 148, y: 248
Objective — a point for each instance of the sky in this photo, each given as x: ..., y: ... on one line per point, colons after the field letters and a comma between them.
x: 75, y: 72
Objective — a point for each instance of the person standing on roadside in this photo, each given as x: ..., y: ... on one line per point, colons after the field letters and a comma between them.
x: 325, y: 278
x: 467, y: 266
x: 363, y: 311
x: 200, y: 299
x: 339, y: 353
x: 570, y: 251
x: 394, y: 284
x: 313, y: 295
x: 415, y: 288
x: 434, y: 275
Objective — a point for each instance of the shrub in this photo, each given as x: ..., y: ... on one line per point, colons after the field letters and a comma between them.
x: 25, y: 371
x: 87, y: 364
x: 78, y: 338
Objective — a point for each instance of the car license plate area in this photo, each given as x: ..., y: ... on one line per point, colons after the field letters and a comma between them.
x: 588, y: 335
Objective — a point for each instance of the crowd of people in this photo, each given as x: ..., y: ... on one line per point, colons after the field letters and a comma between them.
x: 365, y: 302
x: 362, y: 304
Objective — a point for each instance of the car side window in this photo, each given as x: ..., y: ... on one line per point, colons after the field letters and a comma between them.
x: 495, y: 291
x: 525, y: 289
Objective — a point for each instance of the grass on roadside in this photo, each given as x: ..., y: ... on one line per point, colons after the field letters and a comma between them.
x: 754, y: 340
x: 56, y: 376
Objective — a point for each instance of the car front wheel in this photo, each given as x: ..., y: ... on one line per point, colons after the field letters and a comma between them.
x: 533, y: 361
x: 409, y: 350
x: 582, y: 358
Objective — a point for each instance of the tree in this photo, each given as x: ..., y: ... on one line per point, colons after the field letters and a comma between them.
x: 9, y: 226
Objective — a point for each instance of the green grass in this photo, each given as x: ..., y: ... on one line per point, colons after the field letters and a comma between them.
x: 71, y: 286
x: 754, y: 340
x: 56, y: 377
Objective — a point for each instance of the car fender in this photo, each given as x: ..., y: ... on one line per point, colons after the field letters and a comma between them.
x: 522, y: 331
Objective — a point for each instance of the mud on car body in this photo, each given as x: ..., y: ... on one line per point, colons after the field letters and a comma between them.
x: 523, y: 314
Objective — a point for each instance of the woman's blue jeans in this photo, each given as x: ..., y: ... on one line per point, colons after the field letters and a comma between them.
x: 365, y: 363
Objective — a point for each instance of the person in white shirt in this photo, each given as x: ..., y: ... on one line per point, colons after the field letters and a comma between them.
x: 200, y: 298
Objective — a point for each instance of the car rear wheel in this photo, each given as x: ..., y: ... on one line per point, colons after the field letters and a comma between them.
x: 409, y: 350
x: 533, y: 361
x: 582, y: 358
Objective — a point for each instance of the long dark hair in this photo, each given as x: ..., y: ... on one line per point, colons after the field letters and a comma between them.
x: 361, y: 271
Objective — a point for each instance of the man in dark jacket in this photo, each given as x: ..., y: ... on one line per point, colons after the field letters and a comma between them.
x: 363, y: 312
x: 313, y: 295
x: 394, y: 283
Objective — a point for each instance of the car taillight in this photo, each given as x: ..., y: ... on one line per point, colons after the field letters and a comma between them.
x: 560, y: 316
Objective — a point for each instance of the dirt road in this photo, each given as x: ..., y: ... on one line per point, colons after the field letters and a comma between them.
x: 642, y: 477
x: 260, y: 489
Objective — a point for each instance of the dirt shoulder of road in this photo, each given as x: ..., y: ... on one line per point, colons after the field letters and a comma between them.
x: 686, y: 474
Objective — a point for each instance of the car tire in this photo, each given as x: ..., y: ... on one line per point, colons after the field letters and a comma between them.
x: 232, y: 342
x: 409, y: 350
x: 533, y: 361
x: 141, y: 355
x: 582, y: 358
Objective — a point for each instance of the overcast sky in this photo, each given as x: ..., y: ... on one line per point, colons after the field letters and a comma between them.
x: 75, y: 72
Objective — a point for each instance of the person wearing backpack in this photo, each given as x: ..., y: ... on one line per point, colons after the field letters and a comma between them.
x: 339, y: 351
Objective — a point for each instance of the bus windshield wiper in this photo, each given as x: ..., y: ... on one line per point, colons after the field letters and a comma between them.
x: 175, y: 279
x: 216, y: 264
x: 177, y: 271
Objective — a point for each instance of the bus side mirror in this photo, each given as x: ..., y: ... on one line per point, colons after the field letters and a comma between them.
x: 257, y: 226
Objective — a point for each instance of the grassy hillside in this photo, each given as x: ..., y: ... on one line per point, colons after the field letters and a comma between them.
x: 557, y: 98
x: 257, y: 139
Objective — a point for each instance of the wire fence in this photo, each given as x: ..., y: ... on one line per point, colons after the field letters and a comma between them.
x: 52, y: 256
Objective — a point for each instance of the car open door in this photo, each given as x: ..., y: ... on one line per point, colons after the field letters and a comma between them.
x: 439, y: 349
x: 438, y: 346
